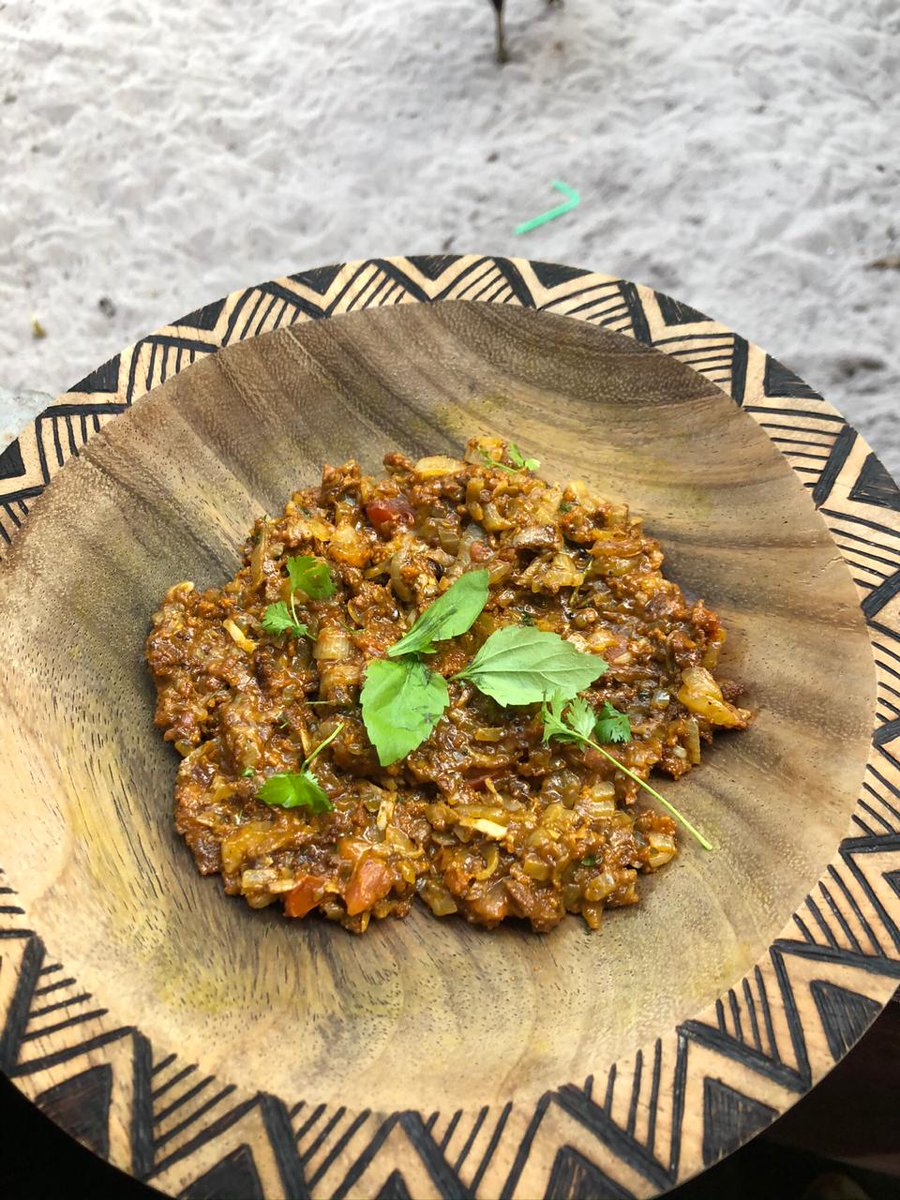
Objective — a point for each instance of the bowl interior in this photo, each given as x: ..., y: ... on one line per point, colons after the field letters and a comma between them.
x: 420, y: 1013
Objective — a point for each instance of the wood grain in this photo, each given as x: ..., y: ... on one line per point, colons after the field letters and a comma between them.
x: 424, y: 1016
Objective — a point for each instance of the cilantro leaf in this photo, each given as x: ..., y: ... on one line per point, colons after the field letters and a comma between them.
x: 567, y: 721
x: 612, y: 725
x: 300, y: 789
x: 402, y: 701
x: 496, y: 463
x: 562, y: 723
x: 295, y: 789
x: 581, y: 717
x: 522, y: 665
x: 449, y: 615
x: 519, y: 460
x: 310, y: 575
x: 278, y: 619
x: 553, y: 715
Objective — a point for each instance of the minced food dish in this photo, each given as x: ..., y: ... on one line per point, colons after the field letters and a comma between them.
x: 291, y: 787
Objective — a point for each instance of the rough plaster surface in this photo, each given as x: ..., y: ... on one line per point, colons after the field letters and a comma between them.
x: 739, y: 154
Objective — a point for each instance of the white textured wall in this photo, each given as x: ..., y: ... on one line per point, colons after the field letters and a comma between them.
x: 740, y: 154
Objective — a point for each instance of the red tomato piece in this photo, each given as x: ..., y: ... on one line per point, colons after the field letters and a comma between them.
x: 305, y: 896
x: 371, y: 882
x: 390, y: 514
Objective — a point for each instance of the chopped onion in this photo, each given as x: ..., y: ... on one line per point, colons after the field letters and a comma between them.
x: 238, y: 636
x: 438, y: 898
x: 493, y: 447
x: 399, y: 560
x: 348, y: 545
x: 407, y: 871
x: 492, y: 812
x: 385, y: 812
x: 535, y: 868
x: 258, y: 878
x: 701, y: 694
x: 399, y: 841
x: 600, y: 886
x: 437, y: 465
x: 333, y: 644
x: 489, y: 828
x: 663, y: 849
x: 491, y: 859
x: 492, y: 520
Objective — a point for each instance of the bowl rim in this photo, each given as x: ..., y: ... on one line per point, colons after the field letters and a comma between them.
x: 704, y: 1087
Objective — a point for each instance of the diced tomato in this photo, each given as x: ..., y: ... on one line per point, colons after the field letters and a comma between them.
x: 305, y: 896
x: 371, y: 882
x: 390, y: 514
x: 353, y: 848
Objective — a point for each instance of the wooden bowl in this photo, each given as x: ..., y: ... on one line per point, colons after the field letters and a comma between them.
x: 210, y: 1049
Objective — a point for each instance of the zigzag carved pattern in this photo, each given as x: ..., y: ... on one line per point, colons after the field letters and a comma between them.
x: 649, y: 1122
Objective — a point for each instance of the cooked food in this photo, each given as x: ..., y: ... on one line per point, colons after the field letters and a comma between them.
x: 452, y: 683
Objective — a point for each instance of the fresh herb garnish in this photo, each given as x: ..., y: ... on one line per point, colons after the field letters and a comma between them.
x: 402, y: 701
x: 522, y: 665
x: 278, y: 619
x: 247, y: 772
x: 495, y: 462
x: 590, y: 861
x: 577, y: 721
x: 521, y: 463
x: 567, y: 722
x: 309, y: 575
x: 449, y: 615
x: 300, y: 789
x: 519, y: 460
x: 612, y: 725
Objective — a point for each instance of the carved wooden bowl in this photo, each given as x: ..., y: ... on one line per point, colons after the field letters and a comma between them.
x: 209, y: 1049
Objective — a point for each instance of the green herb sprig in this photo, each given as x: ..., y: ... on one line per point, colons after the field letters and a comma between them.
x: 575, y: 721
x: 520, y: 462
x: 612, y: 725
x: 278, y: 619
x: 309, y: 575
x: 402, y: 698
x: 300, y: 789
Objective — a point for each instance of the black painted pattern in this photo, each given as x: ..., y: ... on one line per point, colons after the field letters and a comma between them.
x: 200, y: 1137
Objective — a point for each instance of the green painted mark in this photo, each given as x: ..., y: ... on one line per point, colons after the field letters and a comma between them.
x: 572, y: 201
